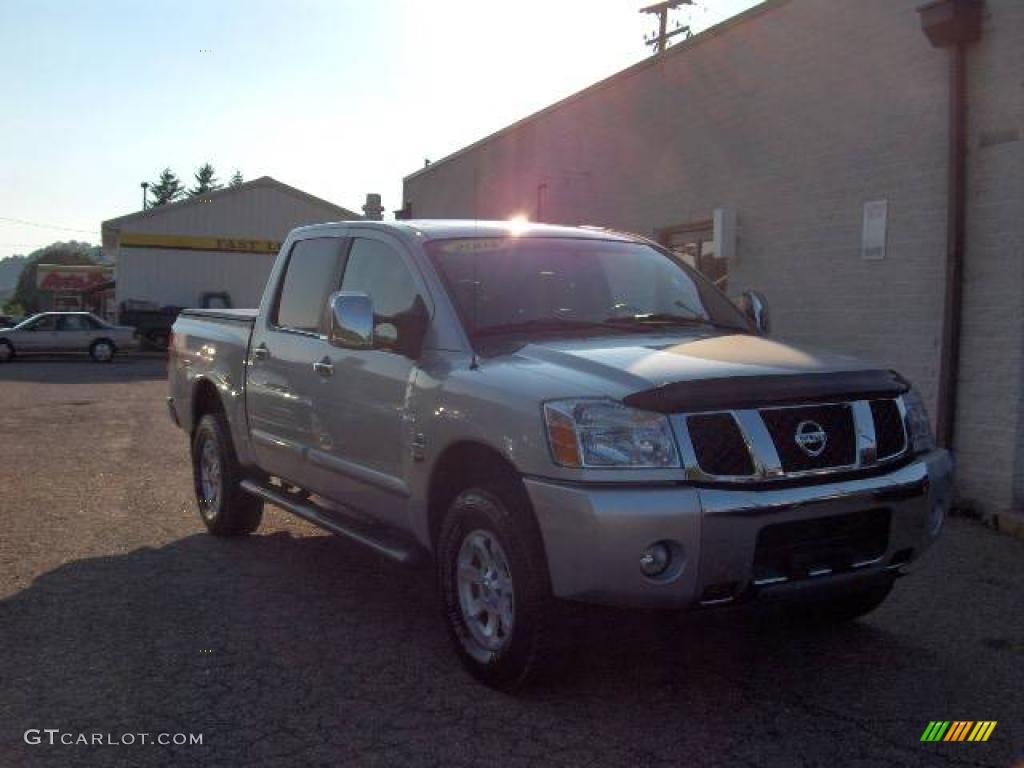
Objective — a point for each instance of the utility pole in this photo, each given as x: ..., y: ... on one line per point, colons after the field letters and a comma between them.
x: 660, y: 41
x: 145, y: 190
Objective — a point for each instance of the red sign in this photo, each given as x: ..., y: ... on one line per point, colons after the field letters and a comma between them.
x: 71, y: 280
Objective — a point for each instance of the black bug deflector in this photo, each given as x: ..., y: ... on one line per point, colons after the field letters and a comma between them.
x: 757, y: 391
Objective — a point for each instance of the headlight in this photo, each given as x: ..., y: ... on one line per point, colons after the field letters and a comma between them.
x: 603, y: 433
x: 919, y: 426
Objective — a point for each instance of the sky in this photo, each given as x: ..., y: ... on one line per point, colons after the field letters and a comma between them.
x: 338, y: 98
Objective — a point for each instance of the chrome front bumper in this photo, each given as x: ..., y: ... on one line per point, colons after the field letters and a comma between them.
x: 594, y: 536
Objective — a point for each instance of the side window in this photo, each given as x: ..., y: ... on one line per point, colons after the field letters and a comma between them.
x: 311, y: 271
x: 47, y: 323
x: 71, y: 323
x: 378, y: 270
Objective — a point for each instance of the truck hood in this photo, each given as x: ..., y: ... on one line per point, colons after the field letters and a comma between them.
x: 644, y: 368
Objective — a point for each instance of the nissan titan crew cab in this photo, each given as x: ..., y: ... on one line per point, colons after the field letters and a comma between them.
x: 552, y: 413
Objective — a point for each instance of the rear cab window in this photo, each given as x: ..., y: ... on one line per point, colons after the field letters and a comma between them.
x: 313, y: 268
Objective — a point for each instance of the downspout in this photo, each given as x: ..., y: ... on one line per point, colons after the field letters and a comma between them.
x: 953, y: 24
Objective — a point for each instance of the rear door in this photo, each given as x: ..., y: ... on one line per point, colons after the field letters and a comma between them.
x: 286, y: 341
x: 74, y: 334
x: 360, y: 405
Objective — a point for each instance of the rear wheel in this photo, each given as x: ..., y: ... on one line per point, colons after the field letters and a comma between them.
x: 6, y: 352
x: 494, y: 585
x: 224, y: 507
x: 102, y: 350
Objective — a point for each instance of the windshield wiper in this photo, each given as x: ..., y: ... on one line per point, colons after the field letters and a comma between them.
x: 668, y: 319
x: 543, y: 324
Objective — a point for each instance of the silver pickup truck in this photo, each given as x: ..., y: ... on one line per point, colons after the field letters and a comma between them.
x: 552, y: 413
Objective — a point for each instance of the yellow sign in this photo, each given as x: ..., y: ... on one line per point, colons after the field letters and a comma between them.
x: 194, y: 243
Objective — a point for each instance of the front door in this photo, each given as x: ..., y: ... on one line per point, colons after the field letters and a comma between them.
x: 360, y: 406
x: 38, y: 336
x: 286, y: 341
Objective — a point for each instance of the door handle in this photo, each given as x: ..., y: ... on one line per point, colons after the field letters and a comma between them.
x: 260, y: 352
x: 324, y: 367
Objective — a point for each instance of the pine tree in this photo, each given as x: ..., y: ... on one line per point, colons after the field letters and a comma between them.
x: 206, y: 181
x: 236, y: 180
x: 166, y: 190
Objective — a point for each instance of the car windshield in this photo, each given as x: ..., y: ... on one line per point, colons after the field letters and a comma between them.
x: 539, y: 285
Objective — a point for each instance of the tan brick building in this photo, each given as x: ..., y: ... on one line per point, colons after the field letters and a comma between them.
x: 823, y: 128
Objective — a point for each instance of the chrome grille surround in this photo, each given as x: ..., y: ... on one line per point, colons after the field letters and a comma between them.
x: 764, y: 454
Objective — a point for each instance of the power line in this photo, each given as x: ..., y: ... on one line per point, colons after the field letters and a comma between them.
x: 47, y: 226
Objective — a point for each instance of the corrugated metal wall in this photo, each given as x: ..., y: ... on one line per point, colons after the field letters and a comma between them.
x: 178, y: 277
x: 262, y: 211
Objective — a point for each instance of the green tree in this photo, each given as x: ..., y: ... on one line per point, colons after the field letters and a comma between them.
x: 166, y: 190
x: 14, y: 309
x: 26, y: 294
x: 206, y: 181
x: 236, y: 179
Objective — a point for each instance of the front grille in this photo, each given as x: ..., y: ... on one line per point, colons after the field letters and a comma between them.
x: 836, y: 421
x: 890, y: 436
x: 719, y: 445
x: 796, y: 550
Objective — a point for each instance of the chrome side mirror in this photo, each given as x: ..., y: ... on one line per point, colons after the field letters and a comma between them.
x: 351, y: 320
x: 755, y: 307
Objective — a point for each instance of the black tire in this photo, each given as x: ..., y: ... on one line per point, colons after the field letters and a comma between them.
x: 6, y: 351
x: 227, y: 510
x: 845, y: 607
x: 98, y: 350
x: 500, y: 510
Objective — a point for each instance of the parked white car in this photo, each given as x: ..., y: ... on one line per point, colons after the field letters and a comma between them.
x: 60, y: 333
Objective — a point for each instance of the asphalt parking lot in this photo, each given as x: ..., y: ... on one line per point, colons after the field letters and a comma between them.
x: 118, y: 615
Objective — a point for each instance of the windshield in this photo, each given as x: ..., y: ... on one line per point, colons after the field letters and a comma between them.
x: 508, y: 285
x: 29, y: 321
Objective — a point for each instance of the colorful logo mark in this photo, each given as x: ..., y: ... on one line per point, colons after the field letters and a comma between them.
x: 958, y: 730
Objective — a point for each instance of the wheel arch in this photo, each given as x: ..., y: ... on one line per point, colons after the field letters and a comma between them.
x: 205, y: 399
x: 460, y: 465
x: 101, y: 340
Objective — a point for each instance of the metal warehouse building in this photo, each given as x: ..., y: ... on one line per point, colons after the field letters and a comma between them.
x: 829, y: 154
x: 224, y: 242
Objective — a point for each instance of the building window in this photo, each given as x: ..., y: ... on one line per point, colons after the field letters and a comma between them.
x: 695, y: 244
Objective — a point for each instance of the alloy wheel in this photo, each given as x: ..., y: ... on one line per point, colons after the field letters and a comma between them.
x: 486, y: 592
x: 210, y: 478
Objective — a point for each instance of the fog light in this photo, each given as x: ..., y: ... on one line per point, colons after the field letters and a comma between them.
x: 936, y: 518
x: 655, y: 560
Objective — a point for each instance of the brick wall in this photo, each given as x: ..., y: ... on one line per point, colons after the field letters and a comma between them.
x: 795, y: 115
x: 990, y: 433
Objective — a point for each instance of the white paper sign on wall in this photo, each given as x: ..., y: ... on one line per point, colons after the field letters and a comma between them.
x: 876, y: 216
x: 725, y: 233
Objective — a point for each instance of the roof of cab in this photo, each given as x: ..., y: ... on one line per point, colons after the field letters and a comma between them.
x: 445, y: 229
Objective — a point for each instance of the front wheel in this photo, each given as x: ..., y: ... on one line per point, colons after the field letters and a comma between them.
x: 6, y: 352
x: 224, y: 507
x: 495, y: 587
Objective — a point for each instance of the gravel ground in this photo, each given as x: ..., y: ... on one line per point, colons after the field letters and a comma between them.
x: 119, y: 616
